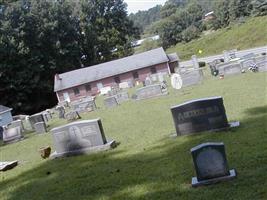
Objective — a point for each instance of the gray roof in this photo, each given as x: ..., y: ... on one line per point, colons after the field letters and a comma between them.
x: 173, y: 57
x: 108, y: 69
x: 4, y: 109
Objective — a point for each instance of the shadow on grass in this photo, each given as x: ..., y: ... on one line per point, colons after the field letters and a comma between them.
x: 163, y: 171
x: 257, y: 110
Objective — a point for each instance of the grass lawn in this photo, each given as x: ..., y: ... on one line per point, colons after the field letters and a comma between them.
x: 252, y: 33
x: 148, y: 164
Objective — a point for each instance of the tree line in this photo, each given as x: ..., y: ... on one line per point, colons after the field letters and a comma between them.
x: 182, y: 20
x: 39, y: 38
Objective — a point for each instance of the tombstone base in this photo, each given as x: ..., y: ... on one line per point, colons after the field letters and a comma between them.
x: 158, y: 95
x: 196, y: 183
x: 109, y: 145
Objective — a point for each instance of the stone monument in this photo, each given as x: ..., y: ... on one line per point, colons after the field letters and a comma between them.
x: 210, y: 164
x: 80, y: 137
x: 40, y: 127
x: 12, y: 135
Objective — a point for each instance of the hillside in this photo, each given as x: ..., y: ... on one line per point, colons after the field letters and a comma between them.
x: 250, y: 34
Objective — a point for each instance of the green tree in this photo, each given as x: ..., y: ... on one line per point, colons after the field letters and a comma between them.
x: 259, y: 7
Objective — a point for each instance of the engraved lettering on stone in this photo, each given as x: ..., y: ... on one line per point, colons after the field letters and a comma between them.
x: 89, y: 130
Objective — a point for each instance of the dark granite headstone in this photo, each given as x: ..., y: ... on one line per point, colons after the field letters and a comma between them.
x: 110, y: 102
x: 199, y: 115
x: 61, y: 111
x: 210, y: 164
x: 80, y: 137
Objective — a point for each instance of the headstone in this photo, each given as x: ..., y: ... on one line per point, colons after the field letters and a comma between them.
x: 17, y: 123
x: 80, y: 137
x: 110, y: 102
x: 124, y: 85
x: 246, y: 64
x: 229, y: 55
x: 195, y: 62
x: 122, y: 97
x: 72, y: 116
x: 192, y: 77
x: 176, y: 81
x: 262, y: 66
x: 8, y: 165
x: 248, y: 56
x: 150, y: 92
x: 61, y: 112
x: 232, y: 69
x: 35, y: 119
x: 210, y: 164
x: 84, y: 106
x: 148, y: 81
x: 40, y: 127
x: 154, y: 78
x: 199, y: 115
x: 12, y: 135
x: 105, y: 90
x: 63, y: 103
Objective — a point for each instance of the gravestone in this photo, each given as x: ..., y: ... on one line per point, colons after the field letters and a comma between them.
x: 122, y: 97
x: 195, y: 62
x: 150, y: 92
x: 40, y: 127
x: 229, y: 55
x: 232, y: 69
x: 12, y: 135
x: 199, y: 115
x: 35, y: 119
x: 110, y: 102
x: 17, y: 123
x: 84, y: 106
x: 105, y: 90
x: 246, y: 64
x: 72, y: 115
x: 80, y: 137
x: 153, y: 78
x: 210, y: 164
x: 61, y: 112
x: 176, y: 81
x: 148, y: 81
x: 262, y: 66
x: 124, y: 85
x: 192, y: 77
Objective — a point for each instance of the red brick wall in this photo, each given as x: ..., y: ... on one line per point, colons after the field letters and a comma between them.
x: 143, y: 73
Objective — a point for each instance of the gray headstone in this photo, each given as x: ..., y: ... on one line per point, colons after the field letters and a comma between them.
x: 72, y: 115
x: 199, y: 115
x: 148, y: 81
x: 195, y: 62
x: 17, y: 123
x: 262, y: 66
x: 228, y: 55
x: 78, y: 137
x: 61, y: 111
x: 40, y: 127
x: 247, y: 63
x: 84, y: 106
x: 232, y: 69
x: 210, y: 164
x: 192, y: 77
x: 122, y: 96
x: 12, y: 134
x: 35, y: 119
x: 150, y: 92
x: 110, y: 102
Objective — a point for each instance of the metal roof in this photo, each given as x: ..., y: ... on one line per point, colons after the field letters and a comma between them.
x: 108, y: 69
x: 4, y: 109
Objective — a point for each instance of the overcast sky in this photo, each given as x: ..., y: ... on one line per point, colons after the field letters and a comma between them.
x: 135, y: 5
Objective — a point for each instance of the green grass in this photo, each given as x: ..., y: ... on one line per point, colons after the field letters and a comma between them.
x: 148, y: 164
x: 252, y: 33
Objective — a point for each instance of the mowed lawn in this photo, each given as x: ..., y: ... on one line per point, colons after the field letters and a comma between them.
x: 148, y: 164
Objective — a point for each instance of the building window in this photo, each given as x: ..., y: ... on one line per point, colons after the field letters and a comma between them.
x: 88, y: 87
x: 76, y: 91
x: 135, y: 75
x: 117, y: 79
x: 153, y: 70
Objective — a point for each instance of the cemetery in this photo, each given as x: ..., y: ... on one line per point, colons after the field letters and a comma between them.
x: 118, y: 145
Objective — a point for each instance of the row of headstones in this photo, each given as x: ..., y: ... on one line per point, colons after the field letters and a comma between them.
x: 191, y: 117
x: 14, y: 131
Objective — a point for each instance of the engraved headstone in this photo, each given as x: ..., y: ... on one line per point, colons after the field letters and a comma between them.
x: 150, y: 92
x: 84, y: 106
x: 210, y: 164
x: 199, y: 115
x: 40, y: 127
x: 72, y: 116
x: 232, y: 69
x: 110, y: 102
x: 36, y: 118
x: 12, y: 135
x: 176, y: 81
x: 80, y: 137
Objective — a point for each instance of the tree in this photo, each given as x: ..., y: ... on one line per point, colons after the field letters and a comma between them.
x: 259, y: 7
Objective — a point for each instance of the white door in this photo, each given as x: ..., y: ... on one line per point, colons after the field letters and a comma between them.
x: 99, y: 85
x: 66, y: 96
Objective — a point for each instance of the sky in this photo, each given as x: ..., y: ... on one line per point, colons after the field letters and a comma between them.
x: 135, y: 5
